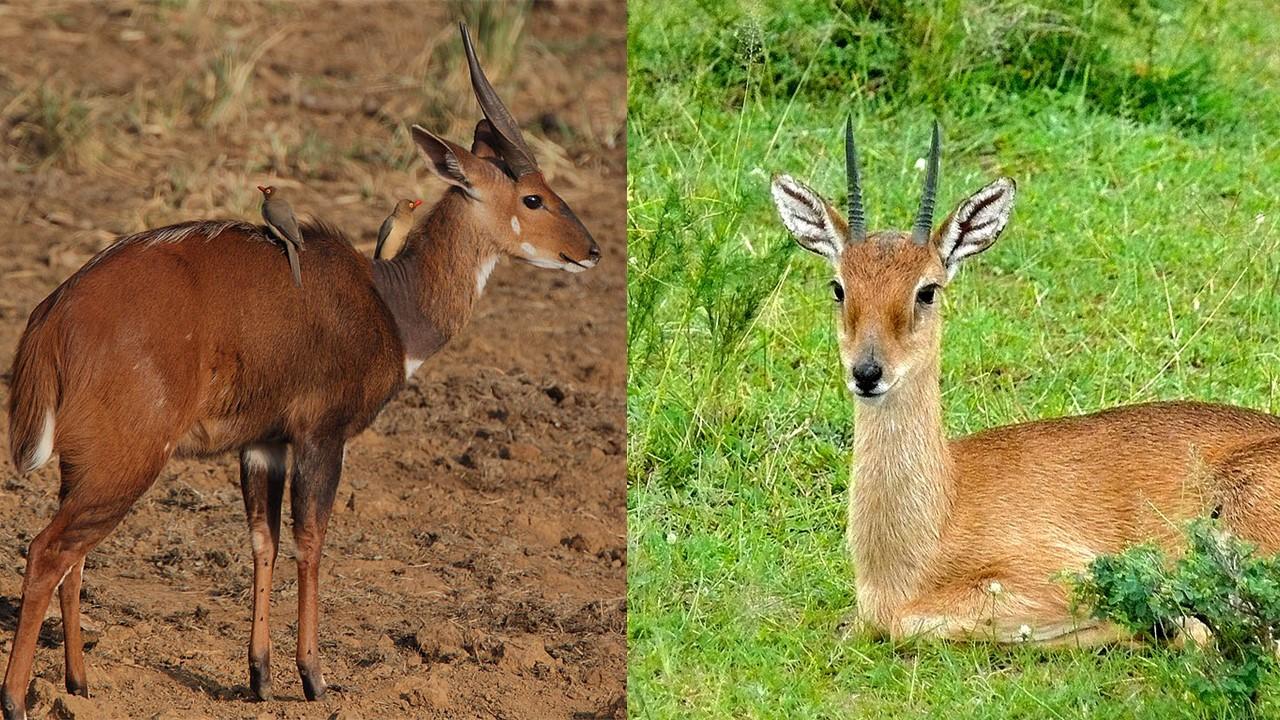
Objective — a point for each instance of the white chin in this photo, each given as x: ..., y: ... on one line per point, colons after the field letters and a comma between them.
x: 870, y: 399
x: 543, y: 263
x: 558, y: 265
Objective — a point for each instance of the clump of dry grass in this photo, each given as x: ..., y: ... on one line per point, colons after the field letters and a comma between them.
x: 50, y: 122
x: 227, y: 85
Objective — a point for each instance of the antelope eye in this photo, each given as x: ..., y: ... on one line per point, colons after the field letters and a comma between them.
x: 837, y: 290
x: 533, y: 202
x: 927, y: 295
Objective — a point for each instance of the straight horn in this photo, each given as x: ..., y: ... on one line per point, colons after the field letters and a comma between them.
x: 924, y: 219
x: 857, y: 221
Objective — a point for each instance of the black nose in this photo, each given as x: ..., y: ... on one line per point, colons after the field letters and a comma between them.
x: 866, y: 375
x: 594, y: 253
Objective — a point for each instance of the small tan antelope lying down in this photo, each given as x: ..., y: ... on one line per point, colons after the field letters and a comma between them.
x: 194, y: 340
x: 963, y: 538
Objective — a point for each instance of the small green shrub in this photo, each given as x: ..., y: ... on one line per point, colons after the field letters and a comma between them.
x: 1218, y: 581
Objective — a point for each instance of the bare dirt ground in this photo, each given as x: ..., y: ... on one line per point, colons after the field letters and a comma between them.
x: 476, y: 563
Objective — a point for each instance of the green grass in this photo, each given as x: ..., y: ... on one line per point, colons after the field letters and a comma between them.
x: 1141, y: 263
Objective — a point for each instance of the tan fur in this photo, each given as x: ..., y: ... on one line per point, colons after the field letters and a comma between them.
x: 969, y: 538
x: 934, y: 523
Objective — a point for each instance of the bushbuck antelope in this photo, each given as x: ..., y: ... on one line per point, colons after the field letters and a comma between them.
x: 964, y: 538
x: 192, y: 339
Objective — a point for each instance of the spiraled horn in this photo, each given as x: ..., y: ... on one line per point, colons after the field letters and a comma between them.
x: 857, y: 221
x: 512, y: 146
x: 924, y: 219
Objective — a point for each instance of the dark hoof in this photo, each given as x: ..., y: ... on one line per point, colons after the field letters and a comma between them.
x: 312, y: 683
x: 262, y: 691
x: 77, y: 687
x: 260, y: 679
x: 13, y: 710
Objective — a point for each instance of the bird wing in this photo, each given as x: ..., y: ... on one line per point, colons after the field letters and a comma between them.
x: 280, y: 216
x: 383, y: 232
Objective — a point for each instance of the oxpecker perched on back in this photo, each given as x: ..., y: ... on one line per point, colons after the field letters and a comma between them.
x: 279, y: 217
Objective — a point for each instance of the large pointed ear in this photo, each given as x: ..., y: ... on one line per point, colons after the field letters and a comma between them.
x: 811, y: 220
x: 446, y: 160
x: 976, y: 224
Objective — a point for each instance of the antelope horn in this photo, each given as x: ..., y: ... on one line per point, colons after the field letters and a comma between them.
x: 857, y: 222
x: 512, y: 146
x: 924, y: 219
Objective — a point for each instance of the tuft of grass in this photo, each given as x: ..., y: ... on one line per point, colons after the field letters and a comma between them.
x: 441, y: 98
x: 1140, y: 264
x: 227, y: 84
x: 54, y: 124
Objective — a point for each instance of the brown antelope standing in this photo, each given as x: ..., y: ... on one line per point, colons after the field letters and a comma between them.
x: 188, y: 340
x: 964, y: 538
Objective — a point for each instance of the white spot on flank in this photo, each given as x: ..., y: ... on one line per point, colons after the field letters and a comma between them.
x: 411, y: 365
x: 482, y: 275
x: 44, y: 449
x: 515, y: 225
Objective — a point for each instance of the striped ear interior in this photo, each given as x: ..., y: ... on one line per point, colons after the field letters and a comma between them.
x: 808, y: 217
x: 977, y: 223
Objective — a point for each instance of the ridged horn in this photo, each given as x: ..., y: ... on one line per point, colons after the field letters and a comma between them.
x: 857, y: 221
x: 507, y: 131
x: 924, y: 219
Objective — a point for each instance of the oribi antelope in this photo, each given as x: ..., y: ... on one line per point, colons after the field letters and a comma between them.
x: 965, y: 538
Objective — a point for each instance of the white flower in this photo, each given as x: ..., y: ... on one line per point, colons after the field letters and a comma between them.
x: 1024, y: 632
x: 995, y: 588
x: 1259, y: 219
x: 671, y: 538
x: 921, y: 163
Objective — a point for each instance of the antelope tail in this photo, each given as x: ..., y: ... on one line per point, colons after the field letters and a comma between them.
x: 33, y: 399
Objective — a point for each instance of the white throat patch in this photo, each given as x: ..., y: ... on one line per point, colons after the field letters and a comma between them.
x: 482, y: 275
x: 410, y: 366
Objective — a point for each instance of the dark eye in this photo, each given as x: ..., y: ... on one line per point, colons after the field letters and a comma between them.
x: 927, y: 295
x: 533, y: 202
x: 838, y: 290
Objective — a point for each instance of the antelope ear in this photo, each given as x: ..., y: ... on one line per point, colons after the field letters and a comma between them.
x: 484, y: 144
x: 446, y: 160
x: 811, y: 220
x: 975, y: 225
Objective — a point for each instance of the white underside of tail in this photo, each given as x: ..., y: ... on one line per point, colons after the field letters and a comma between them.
x: 44, y: 449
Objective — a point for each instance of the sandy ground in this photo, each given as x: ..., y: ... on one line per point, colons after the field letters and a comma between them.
x: 475, y: 566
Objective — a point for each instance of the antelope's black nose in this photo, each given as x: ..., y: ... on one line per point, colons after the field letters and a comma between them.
x: 867, y: 374
x: 594, y: 254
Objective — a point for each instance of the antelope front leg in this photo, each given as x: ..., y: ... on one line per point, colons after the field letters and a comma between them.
x: 317, y: 467
x: 984, y: 614
x: 262, y: 475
